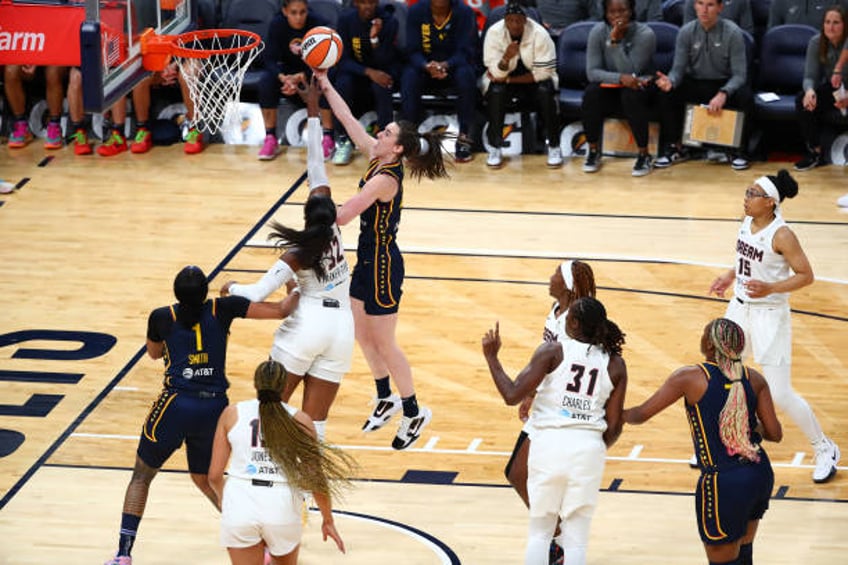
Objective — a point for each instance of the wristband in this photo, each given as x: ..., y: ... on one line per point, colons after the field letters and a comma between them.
x: 375, y: 40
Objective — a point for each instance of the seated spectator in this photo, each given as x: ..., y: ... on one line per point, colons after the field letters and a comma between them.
x: 815, y: 104
x: 285, y: 72
x: 619, y: 66
x: 116, y: 142
x: 710, y: 67
x: 370, y: 64
x: 441, y: 42
x: 143, y: 141
x: 14, y: 77
x: 807, y: 12
x: 737, y: 11
x: 520, y: 60
x: 559, y: 14
x: 648, y: 11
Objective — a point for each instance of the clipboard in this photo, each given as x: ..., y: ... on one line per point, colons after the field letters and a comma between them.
x: 700, y: 127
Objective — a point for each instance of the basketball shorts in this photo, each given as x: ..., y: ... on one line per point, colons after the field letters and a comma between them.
x: 377, y: 283
x: 725, y: 501
x: 317, y: 339
x: 176, y: 417
x: 251, y: 514
x: 768, y: 331
x: 564, y: 471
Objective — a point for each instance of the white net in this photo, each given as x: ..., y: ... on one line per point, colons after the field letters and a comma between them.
x: 213, y: 64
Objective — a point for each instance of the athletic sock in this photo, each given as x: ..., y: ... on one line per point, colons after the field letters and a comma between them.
x: 746, y: 554
x: 384, y: 387
x: 54, y: 119
x: 271, y: 131
x: 141, y: 125
x: 129, y: 527
x: 410, y: 406
x: 320, y: 429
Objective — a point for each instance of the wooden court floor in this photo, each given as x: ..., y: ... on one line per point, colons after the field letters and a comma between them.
x: 91, y: 245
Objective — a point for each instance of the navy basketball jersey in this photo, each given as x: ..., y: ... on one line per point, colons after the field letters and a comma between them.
x: 196, y: 357
x: 378, y: 224
x: 704, y: 416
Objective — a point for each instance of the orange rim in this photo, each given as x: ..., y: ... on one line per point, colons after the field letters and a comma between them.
x: 178, y: 42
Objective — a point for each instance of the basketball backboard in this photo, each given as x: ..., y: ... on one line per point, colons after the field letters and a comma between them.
x: 110, y: 47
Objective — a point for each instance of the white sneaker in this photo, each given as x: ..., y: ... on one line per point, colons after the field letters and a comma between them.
x: 494, y: 159
x: 6, y: 187
x: 842, y: 201
x: 384, y: 409
x: 554, y: 156
x: 410, y: 428
x: 827, y: 458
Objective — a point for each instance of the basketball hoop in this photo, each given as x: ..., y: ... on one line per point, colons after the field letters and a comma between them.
x: 212, y: 62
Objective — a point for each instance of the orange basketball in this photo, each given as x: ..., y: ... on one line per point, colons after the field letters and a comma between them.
x: 321, y: 47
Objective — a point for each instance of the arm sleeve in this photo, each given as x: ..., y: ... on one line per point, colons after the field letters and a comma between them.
x: 278, y: 275
x: 595, y: 70
x: 681, y: 55
x: 812, y: 68
x: 316, y: 173
x: 738, y: 64
x: 544, y: 63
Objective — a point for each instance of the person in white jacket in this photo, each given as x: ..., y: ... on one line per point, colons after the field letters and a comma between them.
x: 520, y: 60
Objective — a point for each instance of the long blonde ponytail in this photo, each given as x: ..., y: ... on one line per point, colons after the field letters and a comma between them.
x: 734, y: 428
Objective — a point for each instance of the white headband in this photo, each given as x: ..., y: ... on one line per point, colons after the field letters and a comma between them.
x: 565, y: 268
x: 771, y: 190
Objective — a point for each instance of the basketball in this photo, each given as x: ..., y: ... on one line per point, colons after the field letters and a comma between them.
x: 321, y: 47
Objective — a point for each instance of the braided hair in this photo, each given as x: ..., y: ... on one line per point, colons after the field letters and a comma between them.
x: 728, y: 339
x: 595, y: 327
x: 308, y: 463
x: 309, y: 244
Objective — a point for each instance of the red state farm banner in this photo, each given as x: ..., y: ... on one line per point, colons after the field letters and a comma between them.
x: 40, y: 35
x: 50, y: 34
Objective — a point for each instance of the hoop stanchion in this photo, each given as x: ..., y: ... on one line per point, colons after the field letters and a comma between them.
x: 212, y: 62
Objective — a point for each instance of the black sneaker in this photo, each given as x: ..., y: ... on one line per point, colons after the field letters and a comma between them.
x: 410, y: 428
x: 593, y: 161
x: 810, y: 161
x: 672, y: 156
x: 643, y: 165
x: 463, y: 150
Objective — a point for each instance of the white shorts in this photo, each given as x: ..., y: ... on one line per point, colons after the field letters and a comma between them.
x: 316, y: 340
x: 251, y: 514
x: 768, y: 331
x: 564, y: 470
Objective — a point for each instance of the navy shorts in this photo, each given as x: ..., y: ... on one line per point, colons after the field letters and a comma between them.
x: 725, y: 501
x: 377, y: 283
x: 176, y: 417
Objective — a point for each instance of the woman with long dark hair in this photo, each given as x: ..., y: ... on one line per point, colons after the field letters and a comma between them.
x: 315, y: 343
x: 375, y: 288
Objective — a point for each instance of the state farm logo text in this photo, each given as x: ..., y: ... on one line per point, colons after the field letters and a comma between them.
x: 21, y: 41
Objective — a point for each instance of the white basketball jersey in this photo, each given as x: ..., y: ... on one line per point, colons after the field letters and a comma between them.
x: 336, y: 282
x: 249, y: 459
x: 555, y: 325
x: 576, y: 392
x: 756, y: 259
